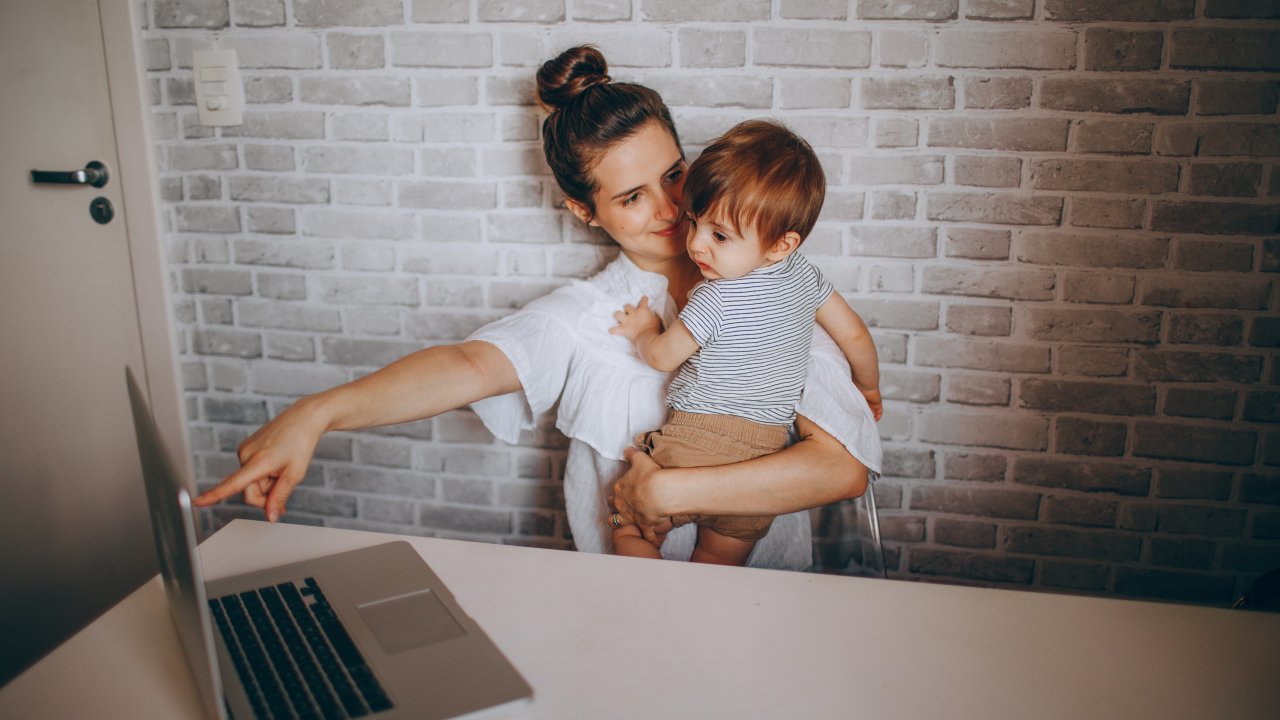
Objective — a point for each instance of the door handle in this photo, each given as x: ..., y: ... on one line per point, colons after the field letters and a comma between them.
x: 94, y: 173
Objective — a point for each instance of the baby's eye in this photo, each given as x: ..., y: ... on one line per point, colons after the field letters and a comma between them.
x: 719, y: 237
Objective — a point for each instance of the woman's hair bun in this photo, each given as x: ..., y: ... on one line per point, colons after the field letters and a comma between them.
x: 565, y: 77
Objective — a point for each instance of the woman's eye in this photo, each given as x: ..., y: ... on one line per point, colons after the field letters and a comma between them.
x: 692, y: 220
x: 630, y: 199
x: 675, y: 176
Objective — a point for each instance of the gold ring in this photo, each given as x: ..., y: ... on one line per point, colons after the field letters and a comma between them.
x: 616, y: 520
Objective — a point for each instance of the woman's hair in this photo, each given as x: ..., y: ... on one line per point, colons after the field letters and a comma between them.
x: 588, y: 114
x: 759, y: 175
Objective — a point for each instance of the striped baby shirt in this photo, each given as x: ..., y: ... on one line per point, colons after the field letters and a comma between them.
x: 754, y: 334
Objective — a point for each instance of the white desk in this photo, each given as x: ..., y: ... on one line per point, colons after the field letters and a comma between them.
x: 608, y: 637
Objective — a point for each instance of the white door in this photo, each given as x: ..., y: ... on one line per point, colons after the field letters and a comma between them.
x: 74, y: 534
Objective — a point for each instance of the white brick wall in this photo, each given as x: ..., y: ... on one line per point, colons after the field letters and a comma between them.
x: 1059, y: 217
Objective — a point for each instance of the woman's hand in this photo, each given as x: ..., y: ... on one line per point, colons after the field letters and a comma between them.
x: 635, y: 321
x: 273, y: 461
x: 635, y: 496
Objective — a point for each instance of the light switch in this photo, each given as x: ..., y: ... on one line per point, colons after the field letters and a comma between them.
x: 219, y: 92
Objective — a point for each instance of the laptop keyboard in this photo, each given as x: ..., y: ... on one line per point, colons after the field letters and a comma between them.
x: 294, y: 657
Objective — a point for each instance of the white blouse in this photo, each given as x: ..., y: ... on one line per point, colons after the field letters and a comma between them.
x: 562, y: 350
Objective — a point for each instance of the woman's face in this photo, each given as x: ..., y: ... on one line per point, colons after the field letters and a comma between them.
x: 640, y: 196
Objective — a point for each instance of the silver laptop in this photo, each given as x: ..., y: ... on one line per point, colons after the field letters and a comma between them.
x: 371, y: 632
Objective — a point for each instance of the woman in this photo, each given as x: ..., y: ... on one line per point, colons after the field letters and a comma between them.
x: 614, y: 151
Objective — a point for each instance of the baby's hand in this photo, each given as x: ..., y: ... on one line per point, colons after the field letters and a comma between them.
x: 633, y: 321
x: 873, y: 399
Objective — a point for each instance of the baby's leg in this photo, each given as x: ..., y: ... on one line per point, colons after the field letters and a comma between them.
x: 720, y: 549
x: 628, y: 541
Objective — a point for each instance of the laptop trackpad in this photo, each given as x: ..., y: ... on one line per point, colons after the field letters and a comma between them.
x: 410, y: 621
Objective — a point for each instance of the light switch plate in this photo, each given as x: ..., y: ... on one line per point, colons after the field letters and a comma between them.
x: 219, y: 92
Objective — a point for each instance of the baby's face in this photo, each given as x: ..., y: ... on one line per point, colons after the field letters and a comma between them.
x: 723, y: 251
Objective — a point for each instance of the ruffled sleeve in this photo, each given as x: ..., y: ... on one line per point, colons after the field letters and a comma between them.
x: 540, y: 345
x: 832, y: 401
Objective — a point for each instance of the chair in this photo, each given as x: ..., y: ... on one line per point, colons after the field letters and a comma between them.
x: 871, y: 549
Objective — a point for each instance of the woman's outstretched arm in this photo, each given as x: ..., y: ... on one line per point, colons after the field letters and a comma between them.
x: 814, y: 471
x: 426, y: 383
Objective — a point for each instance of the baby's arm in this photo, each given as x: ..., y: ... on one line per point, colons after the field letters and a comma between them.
x: 851, y: 334
x: 661, y: 350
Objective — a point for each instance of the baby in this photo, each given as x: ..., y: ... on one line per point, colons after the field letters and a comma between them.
x: 742, y: 340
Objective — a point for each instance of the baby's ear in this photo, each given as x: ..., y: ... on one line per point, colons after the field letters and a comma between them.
x: 784, y: 246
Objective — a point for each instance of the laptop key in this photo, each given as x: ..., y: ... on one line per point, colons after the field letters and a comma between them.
x: 347, y: 693
x: 280, y: 661
x: 236, y: 651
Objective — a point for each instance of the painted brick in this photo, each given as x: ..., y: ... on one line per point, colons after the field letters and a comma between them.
x: 910, y: 93
x: 896, y: 132
x: 978, y: 390
x: 1071, y: 474
x: 981, y: 355
x: 191, y: 14
x: 284, y: 125
x: 1262, y: 406
x: 830, y: 132
x: 892, y: 205
x: 1194, y: 443
x: 1090, y: 325
x: 1260, y: 488
x: 207, y: 219
x: 292, y: 381
x: 1087, y: 512
x: 540, y: 11
x: 986, y: 320
x: 1225, y: 49
x: 445, y: 50
x: 1014, y: 431
x: 894, y: 241
x: 1236, y: 97
x: 364, y: 90
x: 895, y: 170
x: 373, y: 193
x: 1241, y: 9
x: 359, y: 160
x: 1086, y: 397
x: 998, y: 133
x: 999, y: 9
x: 281, y: 286
x: 963, y: 533
x: 366, y: 353
x: 283, y: 316
x: 917, y: 387
x: 350, y: 51
x: 998, y: 209
x: 815, y: 92
x: 1011, y: 284
x: 325, y: 13
x: 284, y: 253
x: 1200, y: 402
x: 1179, y: 586
x: 987, y: 171
x: 975, y: 244
x: 1220, y: 138
x: 1121, y: 176
x: 242, y: 412
x: 1029, y: 49
x: 346, y: 224
x: 975, y: 468
x: 1098, y: 288
x: 812, y: 48
x: 1225, y: 179
x: 717, y: 92
x: 1159, y: 97
x: 1079, y: 436
x: 1197, y: 484
x: 386, y: 483
x: 435, y: 11
x: 1214, y: 256
x: 268, y: 157
x: 903, y: 48
x: 713, y: 10
x: 970, y: 566
x: 997, y: 93
x: 1108, y: 213
x: 1105, y: 251
x: 1111, y: 49
x: 1192, y: 554
x: 1133, y: 10
x: 1240, y: 294
x: 279, y: 189
x: 1084, y: 544
x: 1074, y: 576
x: 293, y: 51
x: 1113, y: 136
x: 908, y: 9
x: 227, y: 343
x: 217, y: 282
x: 1265, y: 332
x: 898, y: 314
x: 712, y: 48
x: 1200, y: 329
x: 1186, y: 366
x: 202, y: 157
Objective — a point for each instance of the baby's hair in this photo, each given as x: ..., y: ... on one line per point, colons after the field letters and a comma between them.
x: 588, y: 113
x: 759, y: 175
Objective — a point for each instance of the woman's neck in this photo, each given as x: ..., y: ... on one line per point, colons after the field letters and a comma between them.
x: 681, y: 275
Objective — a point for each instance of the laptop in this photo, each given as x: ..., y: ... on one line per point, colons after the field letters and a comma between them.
x: 366, y: 633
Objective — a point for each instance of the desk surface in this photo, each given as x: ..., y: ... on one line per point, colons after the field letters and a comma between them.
x: 611, y: 637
